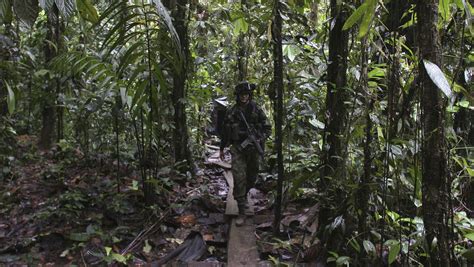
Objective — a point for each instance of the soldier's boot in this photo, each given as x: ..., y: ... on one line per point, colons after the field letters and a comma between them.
x: 240, y: 220
x: 246, y: 209
x: 242, y: 214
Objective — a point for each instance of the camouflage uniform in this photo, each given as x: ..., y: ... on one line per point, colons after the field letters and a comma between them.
x: 245, y: 162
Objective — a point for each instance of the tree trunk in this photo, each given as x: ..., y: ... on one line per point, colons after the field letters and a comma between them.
x: 181, y: 144
x: 278, y: 88
x: 434, y: 152
x: 242, y: 52
x: 394, y: 92
x: 366, y: 179
x: 336, y: 117
x: 241, y: 59
x: 463, y: 125
x: 48, y: 111
x: 336, y: 96
x: 396, y: 9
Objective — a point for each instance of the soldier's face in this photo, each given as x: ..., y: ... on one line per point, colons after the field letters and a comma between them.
x: 244, y: 98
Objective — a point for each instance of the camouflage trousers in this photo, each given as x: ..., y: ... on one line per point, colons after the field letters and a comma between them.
x: 245, y: 165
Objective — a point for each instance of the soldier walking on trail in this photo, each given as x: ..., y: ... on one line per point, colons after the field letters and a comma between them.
x: 245, y: 129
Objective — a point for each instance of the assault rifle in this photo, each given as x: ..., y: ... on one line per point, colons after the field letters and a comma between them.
x: 251, y: 139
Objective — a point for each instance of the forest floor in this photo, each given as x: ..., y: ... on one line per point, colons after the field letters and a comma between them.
x: 59, y: 208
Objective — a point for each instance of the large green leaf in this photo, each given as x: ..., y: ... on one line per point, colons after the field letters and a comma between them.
x: 364, y: 13
x: 119, y: 258
x: 87, y: 11
x: 438, y: 78
x: 6, y: 15
x: 368, y: 18
x: 394, y: 250
x: 343, y: 260
x: 369, y: 247
x: 470, y: 236
x: 240, y: 26
x: 444, y: 9
x: 356, y: 16
x: 10, y: 99
x: 66, y: 7
x: 291, y: 51
x: 26, y: 10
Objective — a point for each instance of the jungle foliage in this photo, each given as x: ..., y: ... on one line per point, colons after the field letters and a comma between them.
x: 360, y: 86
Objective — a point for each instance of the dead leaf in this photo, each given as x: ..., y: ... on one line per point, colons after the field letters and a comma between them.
x: 187, y: 220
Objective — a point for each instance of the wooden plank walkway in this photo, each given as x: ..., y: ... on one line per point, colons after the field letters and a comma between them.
x: 231, y: 208
x: 242, y: 246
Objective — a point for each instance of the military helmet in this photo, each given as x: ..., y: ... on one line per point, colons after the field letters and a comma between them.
x: 244, y: 87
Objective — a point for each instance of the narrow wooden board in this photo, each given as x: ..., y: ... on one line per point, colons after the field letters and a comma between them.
x: 231, y: 208
x: 212, y: 147
x: 203, y: 264
x: 229, y: 179
x: 215, y: 156
x: 242, y: 248
x: 219, y: 163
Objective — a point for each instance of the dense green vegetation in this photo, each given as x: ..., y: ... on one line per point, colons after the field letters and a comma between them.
x: 374, y: 109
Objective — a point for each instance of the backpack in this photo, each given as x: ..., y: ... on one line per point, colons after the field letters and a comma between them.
x: 220, y: 106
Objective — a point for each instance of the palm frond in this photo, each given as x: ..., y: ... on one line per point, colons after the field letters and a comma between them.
x: 6, y: 15
x: 92, y: 67
x: 166, y: 18
x: 46, y: 5
x: 66, y: 7
x: 26, y: 10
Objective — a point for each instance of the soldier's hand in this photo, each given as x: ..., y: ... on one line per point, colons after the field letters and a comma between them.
x: 221, y: 154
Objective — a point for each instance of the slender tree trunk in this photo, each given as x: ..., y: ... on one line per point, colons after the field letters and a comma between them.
x: 394, y: 92
x: 181, y: 139
x: 60, y: 107
x: 400, y: 100
x: 366, y: 179
x: 469, y: 195
x: 278, y: 87
x: 467, y: 127
x: 48, y: 111
x: 336, y: 115
x: 434, y: 152
x: 242, y: 52
x: 396, y: 9
x: 241, y: 59
x: 463, y: 125
x: 337, y: 94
